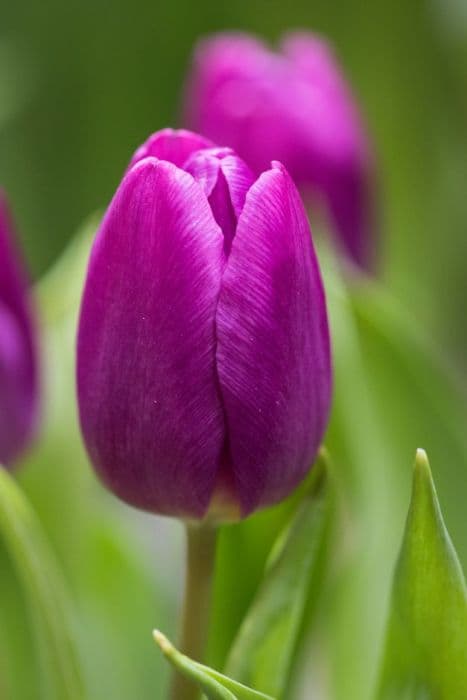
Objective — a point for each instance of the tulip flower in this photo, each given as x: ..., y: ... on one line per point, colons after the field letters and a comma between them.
x: 294, y: 106
x: 18, y: 362
x: 203, y: 364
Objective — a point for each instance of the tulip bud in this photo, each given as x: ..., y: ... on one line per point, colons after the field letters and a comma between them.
x: 294, y: 106
x: 18, y: 362
x: 204, y: 373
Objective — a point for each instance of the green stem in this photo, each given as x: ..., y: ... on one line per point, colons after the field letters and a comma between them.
x: 201, y: 551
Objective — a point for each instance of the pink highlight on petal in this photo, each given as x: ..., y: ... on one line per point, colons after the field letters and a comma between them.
x: 295, y: 106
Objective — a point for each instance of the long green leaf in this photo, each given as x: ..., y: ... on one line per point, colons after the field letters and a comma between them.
x: 355, y: 615
x: 213, y: 684
x: 263, y: 651
x: 233, y: 595
x: 392, y: 392
x: 426, y: 645
x: 420, y: 396
x: 44, y: 591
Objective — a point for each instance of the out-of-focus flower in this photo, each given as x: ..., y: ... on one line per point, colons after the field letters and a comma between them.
x: 204, y: 375
x: 294, y: 106
x: 18, y: 360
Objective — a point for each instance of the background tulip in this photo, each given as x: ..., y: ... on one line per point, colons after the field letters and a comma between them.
x: 18, y: 362
x: 297, y: 107
x: 203, y: 352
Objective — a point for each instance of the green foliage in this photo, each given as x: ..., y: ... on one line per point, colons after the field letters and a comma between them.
x: 233, y: 595
x: 263, y: 651
x: 392, y: 392
x: 45, y: 593
x: 390, y: 389
x: 420, y: 396
x: 370, y: 487
x: 426, y: 646
x: 213, y: 684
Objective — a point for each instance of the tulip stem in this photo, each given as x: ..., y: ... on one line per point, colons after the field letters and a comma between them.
x: 200, y: 560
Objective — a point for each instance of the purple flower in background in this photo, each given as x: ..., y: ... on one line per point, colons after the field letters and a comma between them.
x: 204, y: 375
x: 18, y: 361
x: 294, y: 106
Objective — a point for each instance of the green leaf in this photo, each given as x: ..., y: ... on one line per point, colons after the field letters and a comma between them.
x: 426, y: 644
x: 263, y: 651
x: 421, y: 398
x: 233, y: 595
x: 213, y: 684
x: 392, y: 392
x: 44, y: 591
x: 355, y: 604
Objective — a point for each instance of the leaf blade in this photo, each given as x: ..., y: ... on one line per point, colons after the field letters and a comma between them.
x: 44, y: 590
x: 426, y: 642
x: 262, y: 653
x: 214, y: 685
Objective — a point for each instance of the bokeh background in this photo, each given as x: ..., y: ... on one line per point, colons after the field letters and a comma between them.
x: 82, y: 84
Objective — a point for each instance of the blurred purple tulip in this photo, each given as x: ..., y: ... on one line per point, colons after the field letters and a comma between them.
x: 18, y: 361
x: 204, y: 375
x: 294, y: 106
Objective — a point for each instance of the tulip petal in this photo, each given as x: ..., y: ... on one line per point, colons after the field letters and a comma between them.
x: 204, y: 166
x: 242, y: 94
x: 219, y: 62
x: 147, y: 383
x: 18, y: 360
x: 341, y: 146
x: 14, y: 401
x: 239, y: 179
x: 223, y: 211
x: 352, y: 209
x: 225, y: 179
x: 273, y: 355
x: 296, y: 106
x: 172, y: 145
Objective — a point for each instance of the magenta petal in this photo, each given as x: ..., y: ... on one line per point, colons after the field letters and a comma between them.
x: 235, y: 179
x: 225, y: 179
x: 17, y: 396
x: 335, y: 125
x: 239, y: 179
x: 205, y: 167
x: 295, y: 106
x: 172, y: 145
x: 19, y: 378
x: 273, y: 353
x: 351, y: 205
x: 223, y: 211
x: 217, y: 85
x: 147, y: 382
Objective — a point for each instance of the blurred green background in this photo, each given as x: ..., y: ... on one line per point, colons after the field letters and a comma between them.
x: 82, y: 84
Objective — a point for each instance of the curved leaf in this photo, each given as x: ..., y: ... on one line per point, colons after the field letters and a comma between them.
x: 392, y: 392
x: 426, y: 644
x: 44, y: 591
x: 263, y: 651
x: 213, y: 684
x: 369, y: 518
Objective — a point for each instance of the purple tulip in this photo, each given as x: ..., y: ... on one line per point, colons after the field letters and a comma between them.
x: 18, y: 361
x: 294, y: 106
x: 204, y: 374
